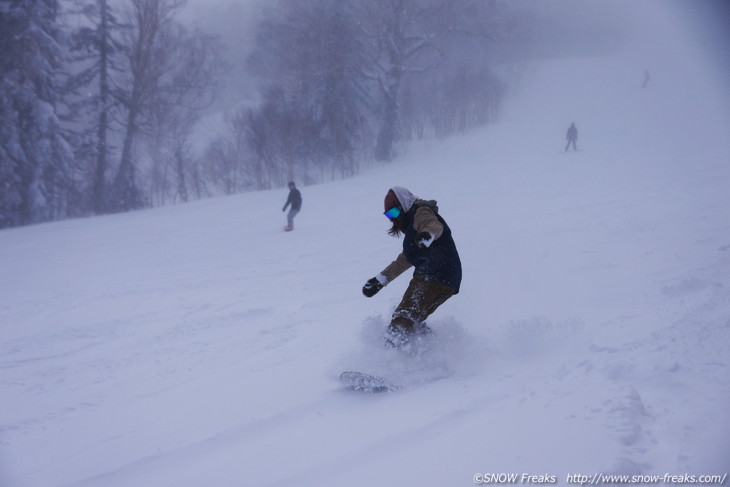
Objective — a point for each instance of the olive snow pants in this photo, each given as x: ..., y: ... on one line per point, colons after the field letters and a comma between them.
x: 422, y: 298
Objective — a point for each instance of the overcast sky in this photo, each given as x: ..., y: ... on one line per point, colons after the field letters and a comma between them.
x: 696, y: 27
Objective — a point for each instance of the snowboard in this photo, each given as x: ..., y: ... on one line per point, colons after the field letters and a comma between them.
x: 358, y: 381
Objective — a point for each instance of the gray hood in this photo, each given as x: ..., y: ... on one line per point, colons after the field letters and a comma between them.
x: 405, y: 197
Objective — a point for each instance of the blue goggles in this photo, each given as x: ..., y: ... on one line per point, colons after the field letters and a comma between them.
x: 393, y: 213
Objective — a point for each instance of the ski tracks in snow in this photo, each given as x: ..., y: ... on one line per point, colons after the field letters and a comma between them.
x: 630, y: 389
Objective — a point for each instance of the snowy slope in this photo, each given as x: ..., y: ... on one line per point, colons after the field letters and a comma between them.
x: 200, y: 344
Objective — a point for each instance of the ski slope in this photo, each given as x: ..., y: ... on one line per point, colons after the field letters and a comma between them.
x: 201, y: 345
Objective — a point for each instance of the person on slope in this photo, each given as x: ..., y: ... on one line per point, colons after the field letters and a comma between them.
x: 295, y: 200
x: 572, y: 137
x: 428, y: 247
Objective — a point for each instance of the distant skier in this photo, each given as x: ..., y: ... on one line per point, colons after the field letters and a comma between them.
x: 572, y: 136
x: 295, y: 200
x: 427, y: 246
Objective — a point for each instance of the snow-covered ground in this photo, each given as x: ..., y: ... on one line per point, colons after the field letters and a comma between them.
x: 201, y: 345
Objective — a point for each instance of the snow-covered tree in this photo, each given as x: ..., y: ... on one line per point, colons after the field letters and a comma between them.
x: 35, y: 159
x: 96, y: 51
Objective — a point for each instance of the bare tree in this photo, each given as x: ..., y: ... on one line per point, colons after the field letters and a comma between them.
x: 311, y: 56
x: 404, y: 38
x: 183, y: 91
x: 95, y: 60
x: 148, y: 20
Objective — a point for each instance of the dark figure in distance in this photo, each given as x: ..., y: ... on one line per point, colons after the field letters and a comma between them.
x: 572, y: 136
x: 295, y: 200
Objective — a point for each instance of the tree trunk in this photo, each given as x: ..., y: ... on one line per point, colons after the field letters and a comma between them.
x: 99, y: 191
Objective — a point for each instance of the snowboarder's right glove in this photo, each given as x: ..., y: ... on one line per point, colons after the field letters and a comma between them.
x: 373, y: 285
x: 424, y: 239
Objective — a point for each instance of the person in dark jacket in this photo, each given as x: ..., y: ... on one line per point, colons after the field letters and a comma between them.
x: 295, y: 200
x: 572, y: 137
x: 429, y: 248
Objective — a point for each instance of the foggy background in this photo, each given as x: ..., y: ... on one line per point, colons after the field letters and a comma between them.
x: 560, y: 28
x: 127, y: 105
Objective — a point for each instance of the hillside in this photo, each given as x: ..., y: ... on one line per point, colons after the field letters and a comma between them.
x: 200, y: 345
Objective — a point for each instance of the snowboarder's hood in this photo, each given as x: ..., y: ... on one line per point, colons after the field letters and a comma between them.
x: 405, y: 197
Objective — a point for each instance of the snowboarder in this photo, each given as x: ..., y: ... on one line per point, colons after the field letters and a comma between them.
x: 430, y: 249
x: 572, y: 136
x: 295, y: 200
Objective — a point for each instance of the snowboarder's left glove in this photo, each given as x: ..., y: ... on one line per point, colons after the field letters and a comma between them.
x: 424, y: 239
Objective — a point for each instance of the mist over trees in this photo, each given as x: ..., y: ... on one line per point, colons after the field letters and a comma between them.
x: 350, y: 80
x: 100, y: 100
x: 98, y: 103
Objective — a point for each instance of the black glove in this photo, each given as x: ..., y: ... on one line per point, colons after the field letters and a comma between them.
x: 424, y: 239
x: 372, y: 287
